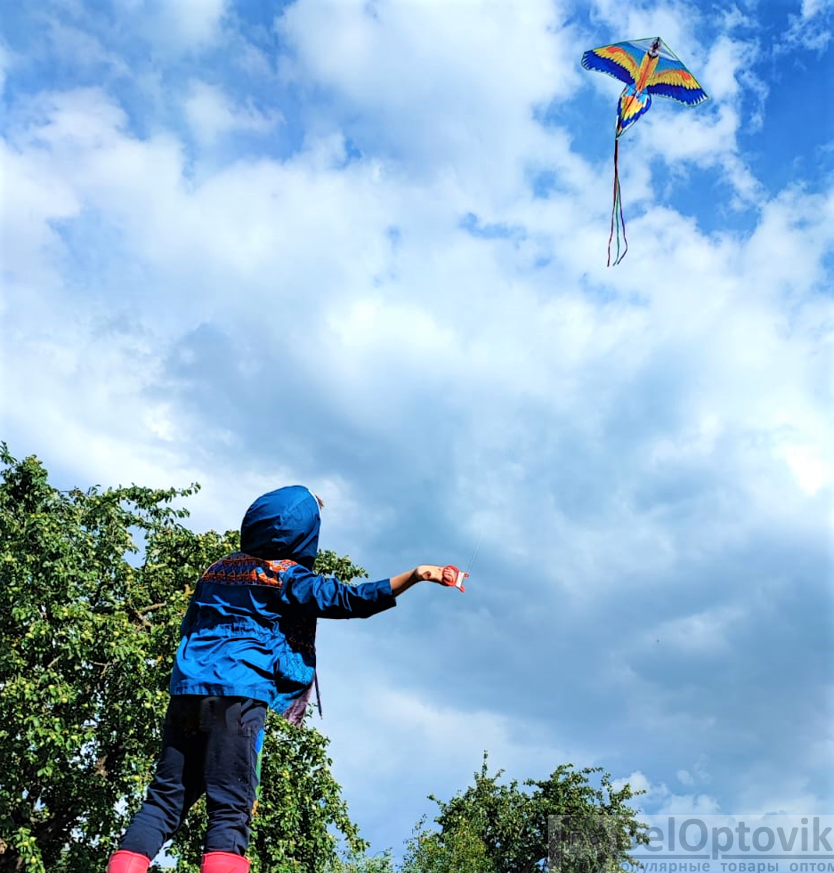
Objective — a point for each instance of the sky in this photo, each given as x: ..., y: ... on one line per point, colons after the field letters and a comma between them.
x: 361, y: 245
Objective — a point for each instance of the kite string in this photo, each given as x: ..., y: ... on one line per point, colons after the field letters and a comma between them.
x: 475, y: 553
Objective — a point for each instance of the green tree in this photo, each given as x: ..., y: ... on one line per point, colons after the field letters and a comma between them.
x: 501, y: 828
x: 359, y: 862
x: 93, y: 586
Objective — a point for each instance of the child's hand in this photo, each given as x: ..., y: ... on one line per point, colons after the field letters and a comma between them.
x: 447, y: 575
x: 430, y: 573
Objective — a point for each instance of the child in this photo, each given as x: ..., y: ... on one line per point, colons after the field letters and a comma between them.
x: 247, y: 644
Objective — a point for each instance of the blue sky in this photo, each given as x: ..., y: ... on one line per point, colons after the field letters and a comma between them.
x: 361, y: 246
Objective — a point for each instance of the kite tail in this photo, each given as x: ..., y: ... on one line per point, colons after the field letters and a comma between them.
x: 617, y: 220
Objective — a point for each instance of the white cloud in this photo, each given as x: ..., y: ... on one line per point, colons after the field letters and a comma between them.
x: 211, y: 114
x: 637, y: 780
x: 812, y: 8
x: 810, y: 30
x: 173, y: 27
x: 659, y: 800
x: 676, y: 23
x: 193, y: 22
x: 451, y: 88
x: 685, y: 777
x: 73, y: 44
x: 707, y: 632
x: 689, y: 804
x: 811, y: 471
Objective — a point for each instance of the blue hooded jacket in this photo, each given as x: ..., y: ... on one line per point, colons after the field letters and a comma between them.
x: 250, y: 627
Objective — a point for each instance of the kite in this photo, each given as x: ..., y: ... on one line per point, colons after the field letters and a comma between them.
x: 648, y: 67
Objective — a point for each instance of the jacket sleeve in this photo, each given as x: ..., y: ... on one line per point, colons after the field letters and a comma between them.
x: 326, y: 597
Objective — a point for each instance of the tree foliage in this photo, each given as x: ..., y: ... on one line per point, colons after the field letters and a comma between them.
x: 94, y: 585
x: 500, y: 828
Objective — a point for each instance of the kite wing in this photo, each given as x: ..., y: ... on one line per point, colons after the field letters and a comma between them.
x: 620, y: 60
x: 672, y: 79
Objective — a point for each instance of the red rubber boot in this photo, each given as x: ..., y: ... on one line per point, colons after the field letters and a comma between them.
x: 128, y: 862
x: 224, y: 862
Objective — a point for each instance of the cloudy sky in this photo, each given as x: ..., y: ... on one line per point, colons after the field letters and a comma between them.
x: 361, y: 245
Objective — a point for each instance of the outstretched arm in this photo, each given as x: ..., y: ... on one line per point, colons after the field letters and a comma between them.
x: 423, y: 573
x: 328, y: 598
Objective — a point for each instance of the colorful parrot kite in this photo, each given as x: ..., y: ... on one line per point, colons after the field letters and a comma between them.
x: 647, y: 66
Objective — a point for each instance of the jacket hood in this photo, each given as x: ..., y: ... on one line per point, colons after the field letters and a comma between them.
x: 283, y: 525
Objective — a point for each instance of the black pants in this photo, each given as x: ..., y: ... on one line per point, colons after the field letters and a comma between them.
x: 211, y: 746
